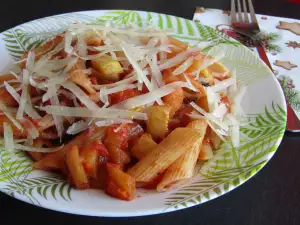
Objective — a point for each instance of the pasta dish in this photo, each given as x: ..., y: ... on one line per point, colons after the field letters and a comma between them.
x: 119, y: 108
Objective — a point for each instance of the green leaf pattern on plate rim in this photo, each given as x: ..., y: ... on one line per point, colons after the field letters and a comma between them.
x: 230, y: 166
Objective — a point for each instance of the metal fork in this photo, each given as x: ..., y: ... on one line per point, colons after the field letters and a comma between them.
x: 248, y: 26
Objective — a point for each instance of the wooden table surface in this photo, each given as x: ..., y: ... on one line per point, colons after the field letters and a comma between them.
x: 271, y: 197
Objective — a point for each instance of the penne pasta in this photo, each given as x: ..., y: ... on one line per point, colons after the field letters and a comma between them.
x: 119, y: 184
x: 214, y: 139
x: 76, y: 169
x: 90, y: 158
x: 143, y: 146
x: 206, y: 152
x: 174, y: 100
x: 166, y: 153
x: 183, y: 168
x: 199, y: 124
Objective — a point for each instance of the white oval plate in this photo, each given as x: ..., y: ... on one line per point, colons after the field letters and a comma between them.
x: 264, y: 126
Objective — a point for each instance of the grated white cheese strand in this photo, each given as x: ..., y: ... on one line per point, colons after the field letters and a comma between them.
x: 29, y: 110
x: 58, y: 120
x: 15, y: 75
x: 68, y: 43
x: 8, y: 137
x: 30, y: 61
x: 9, y: 115
x: 156, y: 73
x: 152, y: 42
x: 34, y: 149
x: 119, y: 88
x: 81, y: 46
x: 24, y: 95
x: 213, y: 99
x: 184, y: 66
x: 192, y: 87
x: 109, y: 28
x: 128, y: 80
x: 209, y: 116
x: 223, y: 85
x: 150, y: 97
x: 164, y: 41
x: 198, y: 108
x: 103, y: 123
x: 142, y: 78
x: 81, y: 95
x: 216, y: 130
x: 103, y: 97
x: 78, y: 127
x: 208, y: 62
x: 179, y: 58
x: 31, y: 129
x: 119, y: 127
x: 220, y: 111
x: 10, y: 82
x: 104, y: 113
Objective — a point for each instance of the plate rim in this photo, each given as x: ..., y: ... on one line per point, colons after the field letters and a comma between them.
x: 157, y: 210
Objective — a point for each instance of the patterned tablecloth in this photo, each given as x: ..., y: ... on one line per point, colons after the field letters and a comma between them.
x: 281, y: 37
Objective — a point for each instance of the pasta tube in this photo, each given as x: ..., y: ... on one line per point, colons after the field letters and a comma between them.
x: 166, y: 153
x: 183, y: 168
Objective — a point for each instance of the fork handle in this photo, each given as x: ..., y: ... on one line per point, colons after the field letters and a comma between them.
x: 293, y: 123
x: 262, y: 54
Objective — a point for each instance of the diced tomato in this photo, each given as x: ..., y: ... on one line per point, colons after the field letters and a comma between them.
x: 117, y: 144
x: 33, y: 92
x: 119, y: 138
x: 123, y: 95
x: 119, y: 184
x: 182, y: 114
x: 65, y: 101
x: 98, y: 146
x: 113, y: 190
x: 94, y: 80
x: 90, y: 52
x: 144, y: 89
x: 47, y: 102
x: 173, y: 124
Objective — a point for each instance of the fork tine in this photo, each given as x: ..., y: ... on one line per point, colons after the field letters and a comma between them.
x: 240, y: 11
x: 252, y: 13
x: 233, y: 13
x: 245, y: 12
